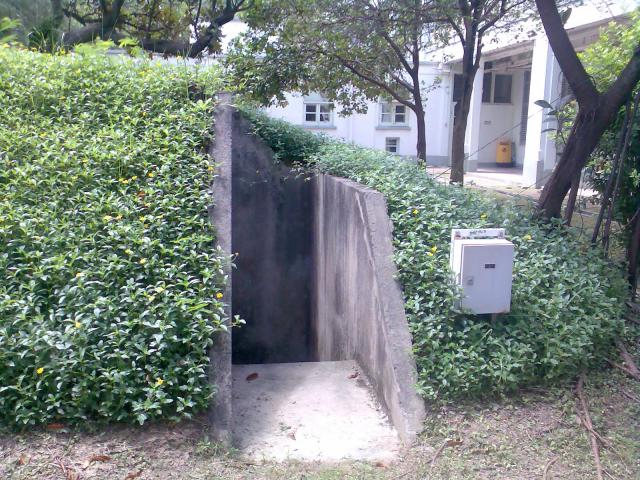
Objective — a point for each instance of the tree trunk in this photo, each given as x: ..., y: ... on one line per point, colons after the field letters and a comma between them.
x: 608, y: 189
x: 457, y: 146
x: 633, y: 252
x: 571, y: 203
x: 469, y: 69
x: 421, y: 145
x: 585, y: 134
x: 595, y: 112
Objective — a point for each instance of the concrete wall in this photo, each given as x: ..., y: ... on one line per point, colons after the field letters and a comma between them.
x: 271, y: 235
x: 358, y: 305
x: 314, y: 276
x: 220, y: 410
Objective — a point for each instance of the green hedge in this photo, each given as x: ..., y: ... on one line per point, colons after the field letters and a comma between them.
x: 567, y: 300
x: 111, y: 284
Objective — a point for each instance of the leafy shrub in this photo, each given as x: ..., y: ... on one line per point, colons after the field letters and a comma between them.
x: 289, y: 143
x: 566, y: 300
x: 108, y: 299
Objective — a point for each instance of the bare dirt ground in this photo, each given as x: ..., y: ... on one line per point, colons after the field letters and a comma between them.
x: 513, y: 438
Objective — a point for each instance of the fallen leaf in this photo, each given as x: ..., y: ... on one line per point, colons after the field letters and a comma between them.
x: 292, y: 435
x: 454, y: 443
x: 132, y: 475
x: 23, y: 460
x: 54, y: 427
x: 252, y: 376
x: 99, y: 458
x: 380, y: 465
x: 354, y: 375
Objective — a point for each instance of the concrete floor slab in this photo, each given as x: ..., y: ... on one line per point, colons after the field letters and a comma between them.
x: 309, y: 411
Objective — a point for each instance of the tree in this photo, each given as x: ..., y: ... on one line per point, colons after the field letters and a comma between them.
x: 28, y: 12
x: 7, y: 28
x: 614, y: 166
x: 471, y: 21
x: 596, y: 110
x: 171, y: 27
x: 350, y: 50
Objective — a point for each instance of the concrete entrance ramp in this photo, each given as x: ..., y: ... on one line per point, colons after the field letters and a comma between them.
x: 316, y: 285
x: 309, y: 411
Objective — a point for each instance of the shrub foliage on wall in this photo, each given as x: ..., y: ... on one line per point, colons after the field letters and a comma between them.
x: 567, y: 300
x: 109, y: 275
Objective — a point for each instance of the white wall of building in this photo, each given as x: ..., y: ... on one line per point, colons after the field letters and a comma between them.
x: 501, y: 122
x: 366, y: 129
x: 488, y: 123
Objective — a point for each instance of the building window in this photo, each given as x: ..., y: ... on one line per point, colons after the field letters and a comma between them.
x: 393, y: 114
x: 502, y: 89
x: 392, y: 144
x: 496, y: 88
x: 457, y: 87
x: 318, y: 113
x: 486, y: 87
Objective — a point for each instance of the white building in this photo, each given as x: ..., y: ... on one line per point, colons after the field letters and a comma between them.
x: 503, y: 109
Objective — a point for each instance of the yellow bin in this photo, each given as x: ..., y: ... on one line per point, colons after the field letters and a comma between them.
x: 503, y: 154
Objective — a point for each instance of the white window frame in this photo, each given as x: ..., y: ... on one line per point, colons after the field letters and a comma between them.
x: 321, y: 119
x: 390, y: 109
x: 396, y: 140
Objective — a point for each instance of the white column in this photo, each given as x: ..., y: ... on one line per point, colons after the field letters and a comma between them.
x: 472, y: 136
x: 546, y: 84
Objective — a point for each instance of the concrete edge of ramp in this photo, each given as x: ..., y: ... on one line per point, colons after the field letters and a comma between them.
x: 359, y: 306
x: 220, y: 374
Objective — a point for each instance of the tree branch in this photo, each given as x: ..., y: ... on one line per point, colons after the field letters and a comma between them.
x: 573, y: 70
x: 373, y: 80
x: 621, y: 90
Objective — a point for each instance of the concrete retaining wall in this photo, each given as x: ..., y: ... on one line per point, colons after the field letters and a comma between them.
x: 220, y: 411
x: 358, y: 305
x: 271, y: 233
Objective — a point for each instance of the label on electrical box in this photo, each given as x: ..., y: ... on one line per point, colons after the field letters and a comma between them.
x: 474, y: 233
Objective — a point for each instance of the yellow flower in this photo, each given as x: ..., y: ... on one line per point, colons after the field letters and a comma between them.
x: 211, y: 168
x: 415, y: 211
x: 430, y: 254
x: 119, y: 217
x: 78, y: 325
x: 79, y: 274
x: 142, y: 261
x: 483, y: 216
x: 527, y: 237
x: 128, y: 251
x: 142, y: 218
x: 135, y: 177
x: 219, y: 295
x: 150, y: 174
x: 434, y: 249
x: 159, y: 382
x: 107, y: 218
x: 40, y: 371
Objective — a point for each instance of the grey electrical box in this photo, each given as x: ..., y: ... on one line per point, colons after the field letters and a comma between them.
x: 482, y: 262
